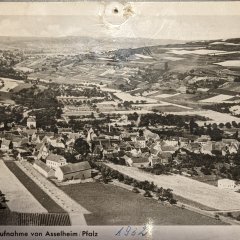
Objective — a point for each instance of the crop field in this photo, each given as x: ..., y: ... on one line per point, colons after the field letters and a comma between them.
x: 196, y: 191
x: 170, y: 109
x: 112, y: 205
x: 33, y: 219
x: 230, y: 63
x: 44, y: 200
x: 217, y: 99
x: 17, y: 194
x: 128, y: 97
x: 215, y: 117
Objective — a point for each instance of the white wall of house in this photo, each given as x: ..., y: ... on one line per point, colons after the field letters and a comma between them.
x: 59, y: 174
x: 54, y: 164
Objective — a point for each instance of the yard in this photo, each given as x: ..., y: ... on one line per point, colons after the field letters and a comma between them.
x: 112, y: 205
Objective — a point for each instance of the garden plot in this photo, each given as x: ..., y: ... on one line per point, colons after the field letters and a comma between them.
x: 166, y: 95
x: 20, y: 200
x: 216, y: 117
x: 128, y: 97
x: 230, y: 63
x: 198, y: 51
x: 217, y: 99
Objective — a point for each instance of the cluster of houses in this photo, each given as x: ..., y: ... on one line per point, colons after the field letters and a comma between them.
x: 28, y: 143
x: 148, y: 149
x: 137, y: 148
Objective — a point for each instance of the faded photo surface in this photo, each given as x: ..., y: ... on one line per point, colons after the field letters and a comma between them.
x: 119, y: 113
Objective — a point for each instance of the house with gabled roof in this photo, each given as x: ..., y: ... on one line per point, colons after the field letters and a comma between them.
x: 57, y: 143
x: 54, y: 161
x: 31, y: 122
x: 138, y: 161
x: 6, y: 145
x: 41, y: 151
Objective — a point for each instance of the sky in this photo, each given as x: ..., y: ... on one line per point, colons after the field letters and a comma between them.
x: 182, y: 21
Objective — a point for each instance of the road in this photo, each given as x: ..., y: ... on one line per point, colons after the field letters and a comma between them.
x: 19, y: 198
x: 75, y: 210
x: 208, y: 195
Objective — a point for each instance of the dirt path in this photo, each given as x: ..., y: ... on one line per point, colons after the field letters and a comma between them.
x: 19, y: 198
x: 202, y: 193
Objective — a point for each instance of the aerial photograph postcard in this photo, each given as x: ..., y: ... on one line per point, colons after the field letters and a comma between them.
x: 117, y: 114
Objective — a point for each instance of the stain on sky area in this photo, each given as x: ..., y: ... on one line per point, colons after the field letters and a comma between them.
x: 114, y: 14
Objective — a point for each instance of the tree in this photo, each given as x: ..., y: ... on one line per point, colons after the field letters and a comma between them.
x: 147, y: 194
x: 166, y: 66
x: 234, y: 124
x: 221, y: 125
x: 141, y: 134
x: 81, y: 146
x: 228, y: 125
x: 216, y: 134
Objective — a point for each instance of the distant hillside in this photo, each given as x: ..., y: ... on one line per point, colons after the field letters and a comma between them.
x: 79, y: 44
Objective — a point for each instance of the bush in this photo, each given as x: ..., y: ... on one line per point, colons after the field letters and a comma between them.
x: 229, y: 214
x: 173, y: 201
x: 238, y: 218
x: 135, y: 190
x: 147, y: 194
x: 120, y: 177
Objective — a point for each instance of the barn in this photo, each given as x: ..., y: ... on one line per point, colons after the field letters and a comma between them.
x: 81, y: 170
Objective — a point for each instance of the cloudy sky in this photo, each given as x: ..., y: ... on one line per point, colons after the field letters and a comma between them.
x: 183, y: 21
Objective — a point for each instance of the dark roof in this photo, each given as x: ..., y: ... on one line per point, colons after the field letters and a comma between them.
x: 75, y: 167
x: 139, y: 159
x: 39, y: 145
x: 168, y: 148
x: 141, y: 139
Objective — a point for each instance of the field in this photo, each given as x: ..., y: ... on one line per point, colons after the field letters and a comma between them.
x: 17, y: 194
x: 9, y: 84
x: 111, y: 205
x: 43, y: 199
x: 217, y: 99
x: 216, y: 117
x: 33, y: 219
x: 230, y: 63
x: 196, y: 191
x: 198, y: 51
x: 170, y: 109
x: 128, y: 97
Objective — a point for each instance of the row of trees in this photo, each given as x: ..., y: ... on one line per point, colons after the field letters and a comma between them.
x: 108, y: 174
x: 169, y: 120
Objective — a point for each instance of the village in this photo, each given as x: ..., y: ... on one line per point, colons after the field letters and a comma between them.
x: 139, y: 148
x: 77, y: 128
